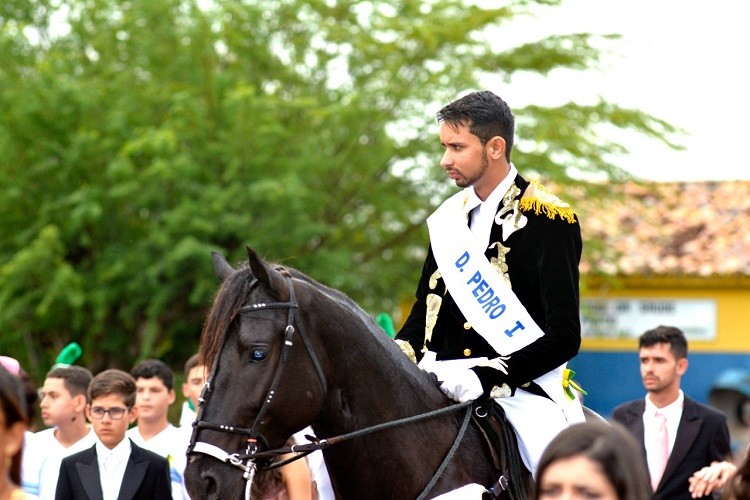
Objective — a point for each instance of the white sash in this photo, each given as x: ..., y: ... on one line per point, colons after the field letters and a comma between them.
x: 485, y: 299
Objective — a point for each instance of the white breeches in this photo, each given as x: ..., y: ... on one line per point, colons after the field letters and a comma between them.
x: 536, y: 421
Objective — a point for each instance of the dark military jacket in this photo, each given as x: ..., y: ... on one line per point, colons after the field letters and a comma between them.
x: 542, y: 265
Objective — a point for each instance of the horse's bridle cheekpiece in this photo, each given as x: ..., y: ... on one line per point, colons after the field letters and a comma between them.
x: 246, y: 461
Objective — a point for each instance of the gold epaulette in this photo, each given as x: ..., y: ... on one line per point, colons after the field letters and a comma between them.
x: 541, y: 201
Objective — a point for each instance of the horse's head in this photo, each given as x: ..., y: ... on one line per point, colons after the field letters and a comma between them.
x: 262, y: 364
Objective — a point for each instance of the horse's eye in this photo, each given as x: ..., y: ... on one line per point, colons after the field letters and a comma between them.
x: 258, y: 354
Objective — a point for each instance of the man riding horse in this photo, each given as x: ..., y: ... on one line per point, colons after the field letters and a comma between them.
x: 497, y: 305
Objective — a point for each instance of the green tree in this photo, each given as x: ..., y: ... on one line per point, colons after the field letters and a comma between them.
x: 138, y: 135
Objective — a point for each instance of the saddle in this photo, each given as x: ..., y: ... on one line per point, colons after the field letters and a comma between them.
x: 502, y: 446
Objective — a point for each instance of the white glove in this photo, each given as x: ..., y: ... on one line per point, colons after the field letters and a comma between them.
x: 457, y: 381
x: 460, y: 385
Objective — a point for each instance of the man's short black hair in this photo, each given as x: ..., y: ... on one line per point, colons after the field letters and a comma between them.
x: 191, y: 363
x: 486, y: 115
x: 76, y: 379
x: 149, y: 368
x: 666, y: 335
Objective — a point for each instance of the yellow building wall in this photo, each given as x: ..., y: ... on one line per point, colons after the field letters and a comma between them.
x: 732, y: 313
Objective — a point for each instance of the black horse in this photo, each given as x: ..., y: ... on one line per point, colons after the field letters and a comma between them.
x: 285, y: 352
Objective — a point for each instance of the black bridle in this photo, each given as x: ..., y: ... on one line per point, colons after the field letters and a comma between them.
x: 253, y: 434
x: 246, y: 461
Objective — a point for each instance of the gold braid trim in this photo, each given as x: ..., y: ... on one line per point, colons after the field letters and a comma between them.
x: 407, y: 349
x: 541, y: 201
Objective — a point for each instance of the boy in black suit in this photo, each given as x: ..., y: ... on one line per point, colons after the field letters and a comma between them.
x: 114, y: 468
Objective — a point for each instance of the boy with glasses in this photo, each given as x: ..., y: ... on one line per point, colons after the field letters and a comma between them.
x: 114, y: 468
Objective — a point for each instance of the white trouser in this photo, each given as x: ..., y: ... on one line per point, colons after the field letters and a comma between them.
x: 470, y: 491
x: 536, y: 421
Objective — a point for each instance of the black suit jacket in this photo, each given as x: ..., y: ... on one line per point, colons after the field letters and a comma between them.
x: 146, y: 477
x: 542, y: 266
x: 702, y: 437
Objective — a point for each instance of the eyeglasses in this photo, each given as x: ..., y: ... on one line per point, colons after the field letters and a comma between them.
x: 114, y: 413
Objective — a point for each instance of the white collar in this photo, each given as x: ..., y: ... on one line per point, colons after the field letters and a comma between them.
x: 670, y: 411
x: 473, y: 201
x: 120, y: 452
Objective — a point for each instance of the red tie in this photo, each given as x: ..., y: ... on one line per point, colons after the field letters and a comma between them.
x: 662, y: 450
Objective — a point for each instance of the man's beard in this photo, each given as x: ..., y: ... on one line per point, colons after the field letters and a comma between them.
x: 470, y: 181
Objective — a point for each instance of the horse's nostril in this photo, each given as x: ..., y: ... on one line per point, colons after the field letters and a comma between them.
x: 208, y: 489
x: 211, y: 488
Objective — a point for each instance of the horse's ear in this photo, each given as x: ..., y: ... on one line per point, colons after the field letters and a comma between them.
x: 269, y: 278
x: 222, y: 269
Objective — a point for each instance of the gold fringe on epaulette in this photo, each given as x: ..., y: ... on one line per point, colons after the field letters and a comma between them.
x: 541, y: 201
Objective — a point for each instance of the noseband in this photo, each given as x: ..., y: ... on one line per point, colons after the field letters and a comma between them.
x: 253, y: 434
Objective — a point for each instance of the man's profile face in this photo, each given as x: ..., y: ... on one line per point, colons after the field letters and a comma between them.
x: 465, y: 158
x: 57, y: 404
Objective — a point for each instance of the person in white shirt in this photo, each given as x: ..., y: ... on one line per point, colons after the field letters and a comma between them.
x: 154, y: 382
x: 114, y: 468
x: 62, y: 404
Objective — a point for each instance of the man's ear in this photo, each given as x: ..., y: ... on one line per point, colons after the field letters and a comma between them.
x: 682, y: 366
x: 496, y: 147
x: 133, y: 414
x: 79, y: 403
x: 172, y: 396
x: 87, y: 410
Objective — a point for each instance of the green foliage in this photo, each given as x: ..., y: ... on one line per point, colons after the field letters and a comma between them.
x: 139, y: 135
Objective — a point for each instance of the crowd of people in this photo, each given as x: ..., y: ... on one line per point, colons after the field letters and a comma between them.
x: 109, y: 436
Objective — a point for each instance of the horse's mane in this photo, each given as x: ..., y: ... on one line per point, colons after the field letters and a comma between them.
x: 416, y: 383
x: 232, y: 294
x: 228, y: 300
x: 337, y: 296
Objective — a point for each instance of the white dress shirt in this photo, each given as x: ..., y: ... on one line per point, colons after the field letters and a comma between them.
x: 673, y: 413
x: 42, y: 455
x: 171, y: 443
x: 112, y: 464
x: 483, y: 212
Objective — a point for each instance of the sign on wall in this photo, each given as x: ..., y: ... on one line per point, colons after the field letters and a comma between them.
x: 629, y: 318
